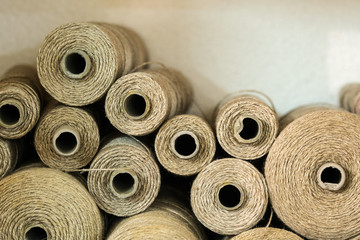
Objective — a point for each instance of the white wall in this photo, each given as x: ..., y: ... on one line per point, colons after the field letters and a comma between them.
x: 297, y: 52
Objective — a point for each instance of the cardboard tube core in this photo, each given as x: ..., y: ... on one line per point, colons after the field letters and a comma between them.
x: 66, y: 141
x: 9, y: 114
x: 124, y: 183
x: 331, y: 176
x: 185, y: 144
x: 230, y: 197
x: 36, y: 233
x: 76, y: 64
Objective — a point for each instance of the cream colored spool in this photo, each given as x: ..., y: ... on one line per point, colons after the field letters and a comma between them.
x: 165, y: 219
x: 185, y: 144
x: 267, y: 233
x: 245, y: 126
x: 20, y: 102
x: 43, y: 203
x: 312, y: 172
x: 67, y: 138
x: 350, y: 97
x: 9, y: 155
x: 124, y: 178
x: 138, y: 103
x: 78, y: 62
x: 229, y: 196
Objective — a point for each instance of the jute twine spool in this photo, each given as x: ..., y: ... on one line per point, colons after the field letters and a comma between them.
x: 78, y: 62
x: 124, y: 178
x: 9, y: 154
x: 350, y: 97
x: 20, y: 101
x: 245, y: 126
x: 185, y: 144
x: 138, y: 103
x: 267, y: 233
x: 66, y: 137
x: 229, y: 196
x: 165, y: 219
x: 44, y: 203
x: 312, y: 172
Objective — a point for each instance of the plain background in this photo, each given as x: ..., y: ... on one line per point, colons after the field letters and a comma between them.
x: 296, y: 52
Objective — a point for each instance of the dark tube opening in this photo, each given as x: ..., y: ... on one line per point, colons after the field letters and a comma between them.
x: 9, y: 114
x: 331, y: 175
x: 135, y: 105
x: 229, y: 196
x: 250, y: 129
x: 66, y: 143
x: 75, y: 63
x: 123, y: 183
x: 36, y: 233
x: 185, y: 145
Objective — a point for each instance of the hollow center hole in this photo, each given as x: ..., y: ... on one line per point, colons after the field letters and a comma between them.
x: 123, y: 183
x: 331, y: 175
x: 66, y: 142
x: 229, y: 196
x: 75, y: 63
x: 185, y: 145
x: 135, y: 105
x: 250, y: 129
x: 9, y: 114
x: 36, y: 233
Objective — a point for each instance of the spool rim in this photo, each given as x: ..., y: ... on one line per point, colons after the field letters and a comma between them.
x: 66, y: 129
x: 241, y: 200
x: 173, y: 143
x: 64, y: 64
x: 239, y: 127
x: 331, y: 186
x: 15, y: 103
x: 127, y: 193
x: 124, y: 105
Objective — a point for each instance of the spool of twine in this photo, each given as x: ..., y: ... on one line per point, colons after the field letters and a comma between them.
x: 245, y: 126
x: 185, y: 144
x: 350, y: 97
x: 312, y: 172
x: 138, y: 103
x: 124, y: 178
x: 44, y: 203
x: 66, y: 137
x: 165, y: 219
x: 9, y: 154
x: 20, y: 101
x: 229, y: 196
x: 267, y: 233
x: 78, y: 62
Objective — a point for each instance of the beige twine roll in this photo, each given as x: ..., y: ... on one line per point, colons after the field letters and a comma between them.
x: 44, y: 203
x: 229, y: 196
x: 267, y: 233
x: 78, y: 62
x: 124, y: 178
x: 350, y: 97
x: 185, y: 144
x: 138, y: 103
x: 165, y: 219
x: 66, y: 137
x: 9, y: 155
x: 245, y: 126
x: 21, y: 99
x: 312, y: 172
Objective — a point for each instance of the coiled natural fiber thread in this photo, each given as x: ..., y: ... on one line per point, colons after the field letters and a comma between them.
x: 9, y: 155
x: 66, y: 137
x: 267, y: 233
x: 21, y: 99
x: 138, y: 103
x: 44, y: 203
x: 229, y: 196
x: 301, y: 111
x: 312, y: 172
x: 165, y: 219
x: 124, y: 178
x: 245, y: 126
x: 350, y: 97
x: 78, y: 62
x: 185, y: 144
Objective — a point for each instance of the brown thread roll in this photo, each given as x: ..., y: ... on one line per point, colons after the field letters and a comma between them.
x: 78, y: 62
x: 124, y: 178
x: 267, y: 233
x: 245, y: 126
x: 138, y: 103
x: 229, y: 196
x: 44, y: 203
x: 66, y: 137
x: 185, y: 144
x: 350, y: 97
x: 20, y: 101
x: 9, y: 154
x: 165, y: 219
x: 312, y: 172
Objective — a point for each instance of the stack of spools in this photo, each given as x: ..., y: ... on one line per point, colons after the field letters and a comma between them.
x: 98, y: 145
